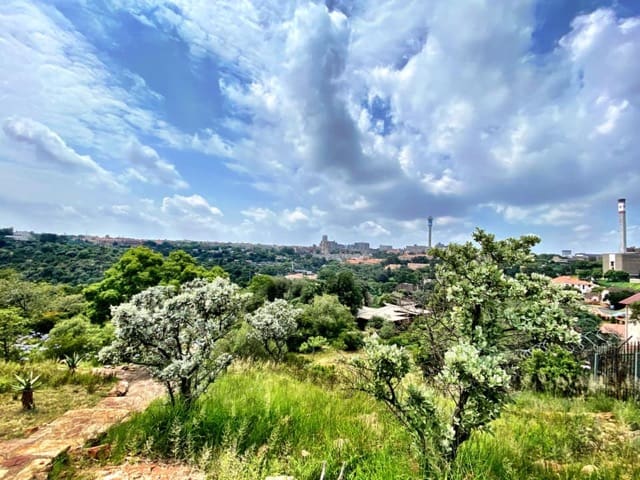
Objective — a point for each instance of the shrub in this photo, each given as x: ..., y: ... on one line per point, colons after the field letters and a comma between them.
x: 351, y: 341
x: 555, y: 371
x: 77, y: 335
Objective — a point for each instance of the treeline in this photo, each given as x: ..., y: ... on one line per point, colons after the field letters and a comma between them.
x: 63, y: 259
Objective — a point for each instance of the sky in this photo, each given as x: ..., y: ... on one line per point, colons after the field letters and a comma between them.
x: 278, y: 121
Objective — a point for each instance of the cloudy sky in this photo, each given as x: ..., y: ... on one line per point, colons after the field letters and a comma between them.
x: 278, y: 121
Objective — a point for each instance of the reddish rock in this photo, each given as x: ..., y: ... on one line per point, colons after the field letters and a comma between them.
x: 99, y: 452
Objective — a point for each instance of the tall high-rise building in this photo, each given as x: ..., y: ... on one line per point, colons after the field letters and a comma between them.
x: 430, y: 224
x: 622, y: 221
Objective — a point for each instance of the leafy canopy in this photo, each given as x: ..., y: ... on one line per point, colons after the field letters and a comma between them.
x: 482, y: 323
x: 175, y: 332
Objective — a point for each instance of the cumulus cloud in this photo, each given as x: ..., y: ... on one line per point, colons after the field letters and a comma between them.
x: 50, y: 149
x: 194, y: 207
x: 382, y: 111
x: 149, y: 167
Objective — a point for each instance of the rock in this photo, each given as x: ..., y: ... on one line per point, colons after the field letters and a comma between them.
x: 31, y: 430
x: 120, y: 390
x: 305, y: 454
x: 588, y: 470
x: 99, y: 452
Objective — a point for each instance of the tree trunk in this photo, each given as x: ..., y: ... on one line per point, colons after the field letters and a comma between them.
x: 27, y: 400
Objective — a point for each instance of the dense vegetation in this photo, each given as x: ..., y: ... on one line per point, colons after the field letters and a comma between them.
x: 494, y: 328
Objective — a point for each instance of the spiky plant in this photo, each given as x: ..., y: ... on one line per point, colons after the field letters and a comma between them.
x: 73, y: 361
x: 25, y: 385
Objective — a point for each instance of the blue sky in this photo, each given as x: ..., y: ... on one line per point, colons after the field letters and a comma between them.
x: 278, y: 121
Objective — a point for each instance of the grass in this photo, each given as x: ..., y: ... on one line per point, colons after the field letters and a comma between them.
x: 625, y: 285
x: 260, y: 422
x: 59, y: 392
x: 542, y: 437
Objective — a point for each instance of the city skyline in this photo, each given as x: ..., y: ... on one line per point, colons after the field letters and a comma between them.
x: 277, y: 122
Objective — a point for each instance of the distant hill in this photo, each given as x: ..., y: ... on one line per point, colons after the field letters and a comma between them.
x: 83, y: 260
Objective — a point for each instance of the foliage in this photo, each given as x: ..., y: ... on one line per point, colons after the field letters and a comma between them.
x: 617, y: 294
x: 73, y: 361
x: 313, y: 344
x: 555, y: 371
x: 137, y: 269
x: 26, y: 383
x: 347, y: 289
x: 259, y: 422
x: 273, y: 324
x: 266, y: 288
x: 351, y: 340
x: 77, y: 336
x: 616, y: 276
x: 325, y: 317
x: 492, y: 320
x: 12, y: 326
x: 176, y: 333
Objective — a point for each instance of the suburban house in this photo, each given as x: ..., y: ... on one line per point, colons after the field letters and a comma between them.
x: 582, y: 286
x: 390, y: 312
x: 630, y: 329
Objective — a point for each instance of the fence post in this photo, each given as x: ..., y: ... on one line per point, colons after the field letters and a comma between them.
x: 595, y: 366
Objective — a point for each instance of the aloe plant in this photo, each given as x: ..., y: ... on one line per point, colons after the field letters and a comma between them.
x: 26, y: 385
x: 73, y: 361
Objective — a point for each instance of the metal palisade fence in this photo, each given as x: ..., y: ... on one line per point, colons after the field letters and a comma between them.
x: 617, y: 369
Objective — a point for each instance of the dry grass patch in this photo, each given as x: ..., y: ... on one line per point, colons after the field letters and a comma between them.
x: 51, y: 402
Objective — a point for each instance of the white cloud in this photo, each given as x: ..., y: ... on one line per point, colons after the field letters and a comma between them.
x: 52, y: 150
x: 193, y: 207
x: 149, y: 167
x: 373, y: 229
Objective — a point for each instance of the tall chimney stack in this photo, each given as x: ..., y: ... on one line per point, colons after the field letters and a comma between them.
x: 622, y: 223
x: 430, y: 223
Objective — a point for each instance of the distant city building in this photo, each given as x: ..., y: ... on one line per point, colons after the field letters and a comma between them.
x: 385, y: 248
x: 566, y: 253
x: 414, y: 249
x: 623, y: 260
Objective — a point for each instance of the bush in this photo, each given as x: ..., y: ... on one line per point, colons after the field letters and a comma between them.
x: 555, y: 371
x: 351, y: 341
x: 616, y: 276
x: 325, y: 317
x: 77, y: 335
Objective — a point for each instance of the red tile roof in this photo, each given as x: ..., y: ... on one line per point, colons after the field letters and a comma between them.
x: 632, y: 299
x: 613, y: 329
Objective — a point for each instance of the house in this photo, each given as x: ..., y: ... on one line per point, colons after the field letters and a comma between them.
x: 582, y: 286
x: 391, y: 313
x: 630, y: 329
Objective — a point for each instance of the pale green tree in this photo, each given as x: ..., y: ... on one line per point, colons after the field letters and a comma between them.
x: 481, y: 324
x: 273, y: 324
x: 176, y: 333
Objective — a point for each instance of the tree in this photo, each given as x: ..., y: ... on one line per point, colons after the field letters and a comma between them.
x: 344, y: 285
x: 482, y: 324
x: 12, y: 326
x: 137, y: 269
x: 176, y: 333
x: 273, y: 324
x: 77, y: 335
x: 325, y: 317
x: 616, y: 276
x: 180, y: 267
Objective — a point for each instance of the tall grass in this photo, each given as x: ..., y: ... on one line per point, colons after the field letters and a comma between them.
x: 262, y: 422
x: 52, y: 374
x: 542, y: 437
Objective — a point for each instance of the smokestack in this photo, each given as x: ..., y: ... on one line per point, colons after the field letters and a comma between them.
x: 430, y: 223
x: 622, y: 222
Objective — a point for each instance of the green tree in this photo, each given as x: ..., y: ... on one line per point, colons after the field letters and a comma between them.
x: 492, y: 322
x: 349, y: 292
x: 616, y: 276
x: 12, y: 326
x: 77, y: 335
x: 138, y: 269
x: 324, y: 317
x: 180, y: 267
x: 177, y: 333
